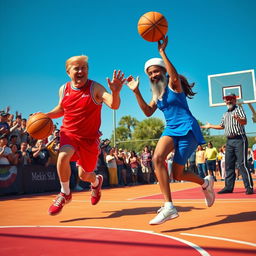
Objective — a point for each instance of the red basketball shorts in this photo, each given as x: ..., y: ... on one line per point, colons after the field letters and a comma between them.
x: 86, y: 150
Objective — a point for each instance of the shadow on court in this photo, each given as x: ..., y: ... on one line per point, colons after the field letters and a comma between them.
x: 131, y: 212
x: 235, y: 218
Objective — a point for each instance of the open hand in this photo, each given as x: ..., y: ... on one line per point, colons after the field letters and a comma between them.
x: 132, y: 83
x: 206, y: 126
x: 117, y: 81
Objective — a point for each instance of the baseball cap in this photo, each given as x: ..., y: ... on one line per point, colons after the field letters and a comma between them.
x: 229, y: 96
x: 4, y: 114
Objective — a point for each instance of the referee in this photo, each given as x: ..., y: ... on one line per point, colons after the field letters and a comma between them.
x: 233, y: 122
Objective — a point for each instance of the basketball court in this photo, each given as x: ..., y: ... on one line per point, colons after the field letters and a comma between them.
x: 118, y: 225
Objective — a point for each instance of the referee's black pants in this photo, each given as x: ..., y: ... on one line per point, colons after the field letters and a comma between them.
x: 236, y: 151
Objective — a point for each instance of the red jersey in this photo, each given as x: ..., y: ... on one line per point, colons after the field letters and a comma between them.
x: 82, y: 114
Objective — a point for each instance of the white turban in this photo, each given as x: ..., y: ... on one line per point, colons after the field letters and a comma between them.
x: 154, y: 62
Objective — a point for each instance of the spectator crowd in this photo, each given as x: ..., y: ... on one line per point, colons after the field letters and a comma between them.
x: 122, y: 167
x: 17, y: 147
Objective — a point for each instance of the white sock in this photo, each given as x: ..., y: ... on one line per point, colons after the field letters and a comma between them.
x: 65, y: 187
x: 206, y: 183
x: 168, y: 205
x: 95, y: 183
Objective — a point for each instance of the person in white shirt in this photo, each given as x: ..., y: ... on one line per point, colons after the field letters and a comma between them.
x: 5, y: 151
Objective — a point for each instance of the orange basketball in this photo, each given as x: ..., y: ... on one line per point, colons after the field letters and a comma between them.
x: 39, y: 126
x: 152, y: 26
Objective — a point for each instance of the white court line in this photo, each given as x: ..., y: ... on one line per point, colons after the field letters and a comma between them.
x: 219, y: 199
x: 194, y: 246
x: 199, y: 201
x: 220, y: 238
x: 46, y: 226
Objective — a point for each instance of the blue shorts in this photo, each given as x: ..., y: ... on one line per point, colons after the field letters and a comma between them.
x: 184, y: 147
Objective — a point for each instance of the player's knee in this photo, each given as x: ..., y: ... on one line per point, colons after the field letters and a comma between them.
x: 158, y: 159
x: 63, y: 158
x: 83, y: 175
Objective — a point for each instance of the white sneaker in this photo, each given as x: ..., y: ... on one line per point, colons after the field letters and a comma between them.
x: 209, y: 192
x: 164, y: 215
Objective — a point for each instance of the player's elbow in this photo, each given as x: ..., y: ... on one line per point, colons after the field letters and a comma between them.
x: 115, y: 106
x: 147, y: 113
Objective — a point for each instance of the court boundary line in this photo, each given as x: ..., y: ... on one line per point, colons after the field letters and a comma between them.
x: 194, y: 246
x: 156, y: 194
x: 220, y: 238
x: 196, y: 201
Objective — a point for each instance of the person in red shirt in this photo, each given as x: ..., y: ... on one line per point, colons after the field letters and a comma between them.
x: 80, y: 104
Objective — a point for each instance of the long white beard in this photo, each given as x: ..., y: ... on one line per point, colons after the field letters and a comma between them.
x: 158, y: 88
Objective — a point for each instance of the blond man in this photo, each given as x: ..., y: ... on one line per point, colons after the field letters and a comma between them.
x: 80, y: 104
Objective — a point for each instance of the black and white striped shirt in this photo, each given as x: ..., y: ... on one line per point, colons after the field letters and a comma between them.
x: 231, y: 126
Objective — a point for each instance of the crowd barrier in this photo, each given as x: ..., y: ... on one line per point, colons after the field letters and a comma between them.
x: 28, y: 179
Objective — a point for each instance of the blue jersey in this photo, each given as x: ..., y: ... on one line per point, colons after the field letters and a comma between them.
x: 179, y: 120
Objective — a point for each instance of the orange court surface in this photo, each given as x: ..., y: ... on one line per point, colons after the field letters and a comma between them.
x: 118, y: 224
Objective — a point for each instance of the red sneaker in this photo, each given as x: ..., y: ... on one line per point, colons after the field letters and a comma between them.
x: 96, y: 192
x: 59, y: 202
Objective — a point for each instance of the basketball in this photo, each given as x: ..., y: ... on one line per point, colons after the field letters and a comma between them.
x: 39, y: 126
x: 152, y: 26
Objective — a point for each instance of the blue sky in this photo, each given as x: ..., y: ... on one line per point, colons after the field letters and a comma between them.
x: 205, y: 37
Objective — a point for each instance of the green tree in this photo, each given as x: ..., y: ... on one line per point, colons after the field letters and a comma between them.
x: 122, y: 133
x: 147, y: 132
x: 205, y: 132
x: 134, y: 135
x: 218, y: 140
x: 130, y: 123
x: 251, y: 140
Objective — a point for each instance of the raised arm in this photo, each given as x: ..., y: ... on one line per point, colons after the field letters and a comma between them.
x: 174, y: 81
x: 112, y: 99
x: 148, y: 109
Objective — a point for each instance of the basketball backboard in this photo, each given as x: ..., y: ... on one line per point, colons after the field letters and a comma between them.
x: 241, y: 83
